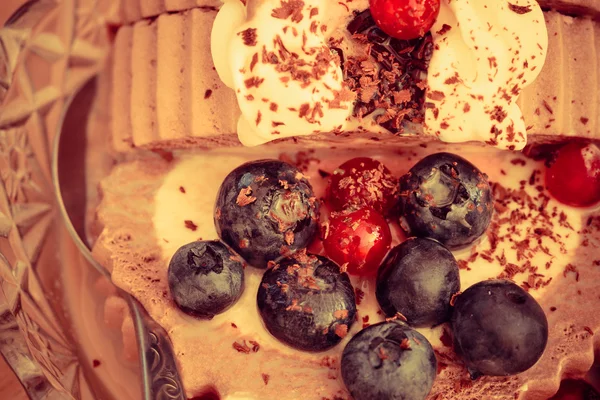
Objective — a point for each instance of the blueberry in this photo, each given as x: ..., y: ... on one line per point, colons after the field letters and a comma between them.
x: 499, y: 329
x: 306, y: 302
x: 418, y: 279
x: 205, y: 278
x: 266, y: 209
x: 446, y: 198
x: 388, y: 360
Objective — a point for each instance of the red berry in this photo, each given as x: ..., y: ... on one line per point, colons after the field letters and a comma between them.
x: 359, y: 239
x: 572, y: 389
x: 363, y: 182
x: 405, y: 19
x: 574, y: 177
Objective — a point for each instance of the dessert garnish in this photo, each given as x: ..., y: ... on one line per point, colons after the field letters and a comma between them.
x: 279, y: 57
x: 499, y: 329
x: 205, y: 278
x: 388, y: 360
x: 307, y: 302
x: 403, y: 19
x: 446, y: 198
x: 389, y: 78
x: 266, y: 209
x: 357, y: 239
x: 483, y: 59
x: 418, y: 279
x: 573, y: 177
x: 363, y: 182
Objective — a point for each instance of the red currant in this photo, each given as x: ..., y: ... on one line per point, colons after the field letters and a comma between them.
x: 363, y: 182
x: 574, y: 177
x: 405, y: 19
x: 358, y: 239
x: 572, y: 389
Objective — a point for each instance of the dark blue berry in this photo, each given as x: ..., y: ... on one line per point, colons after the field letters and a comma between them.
x: 499, y: 329
x: 446, y: 198
x: 266, y: 209
x: 388, y: 360
x: 418, y: 279
x: 306, y: 302
x: 205, y: 278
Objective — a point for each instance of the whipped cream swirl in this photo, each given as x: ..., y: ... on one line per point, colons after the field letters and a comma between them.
x: 486, y: 52
x: 275, y: 55
x: 287, y: 80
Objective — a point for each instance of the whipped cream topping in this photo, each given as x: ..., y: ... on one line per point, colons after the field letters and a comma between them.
x: 275, y: 55
x: 287, y: 80
x: 485, y: 54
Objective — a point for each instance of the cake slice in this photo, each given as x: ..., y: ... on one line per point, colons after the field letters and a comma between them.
x: 151, y: 206
x: 176, y: 99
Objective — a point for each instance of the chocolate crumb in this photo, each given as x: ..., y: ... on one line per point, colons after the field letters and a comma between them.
x: 584, y: 120
x: 190, y: 225
x: 552, y: 308
x: 207, y: 94
x: 233, y: 325
x: 181, y: 189
x: 365, y: 321
x: 96, y: 363
x: 265, y: 378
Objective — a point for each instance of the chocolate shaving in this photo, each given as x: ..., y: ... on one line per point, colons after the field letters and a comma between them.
x: 255, y: 346
x: 341, y: 330
x: 245, y: 197
x: 291, y: 8
x: 253, y: 82
x: 242, y: 347
x: 444, y: 30
x: 519, y: 9
x: 265, y: 378
x: 249, y: 36
x: 190, y: 225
